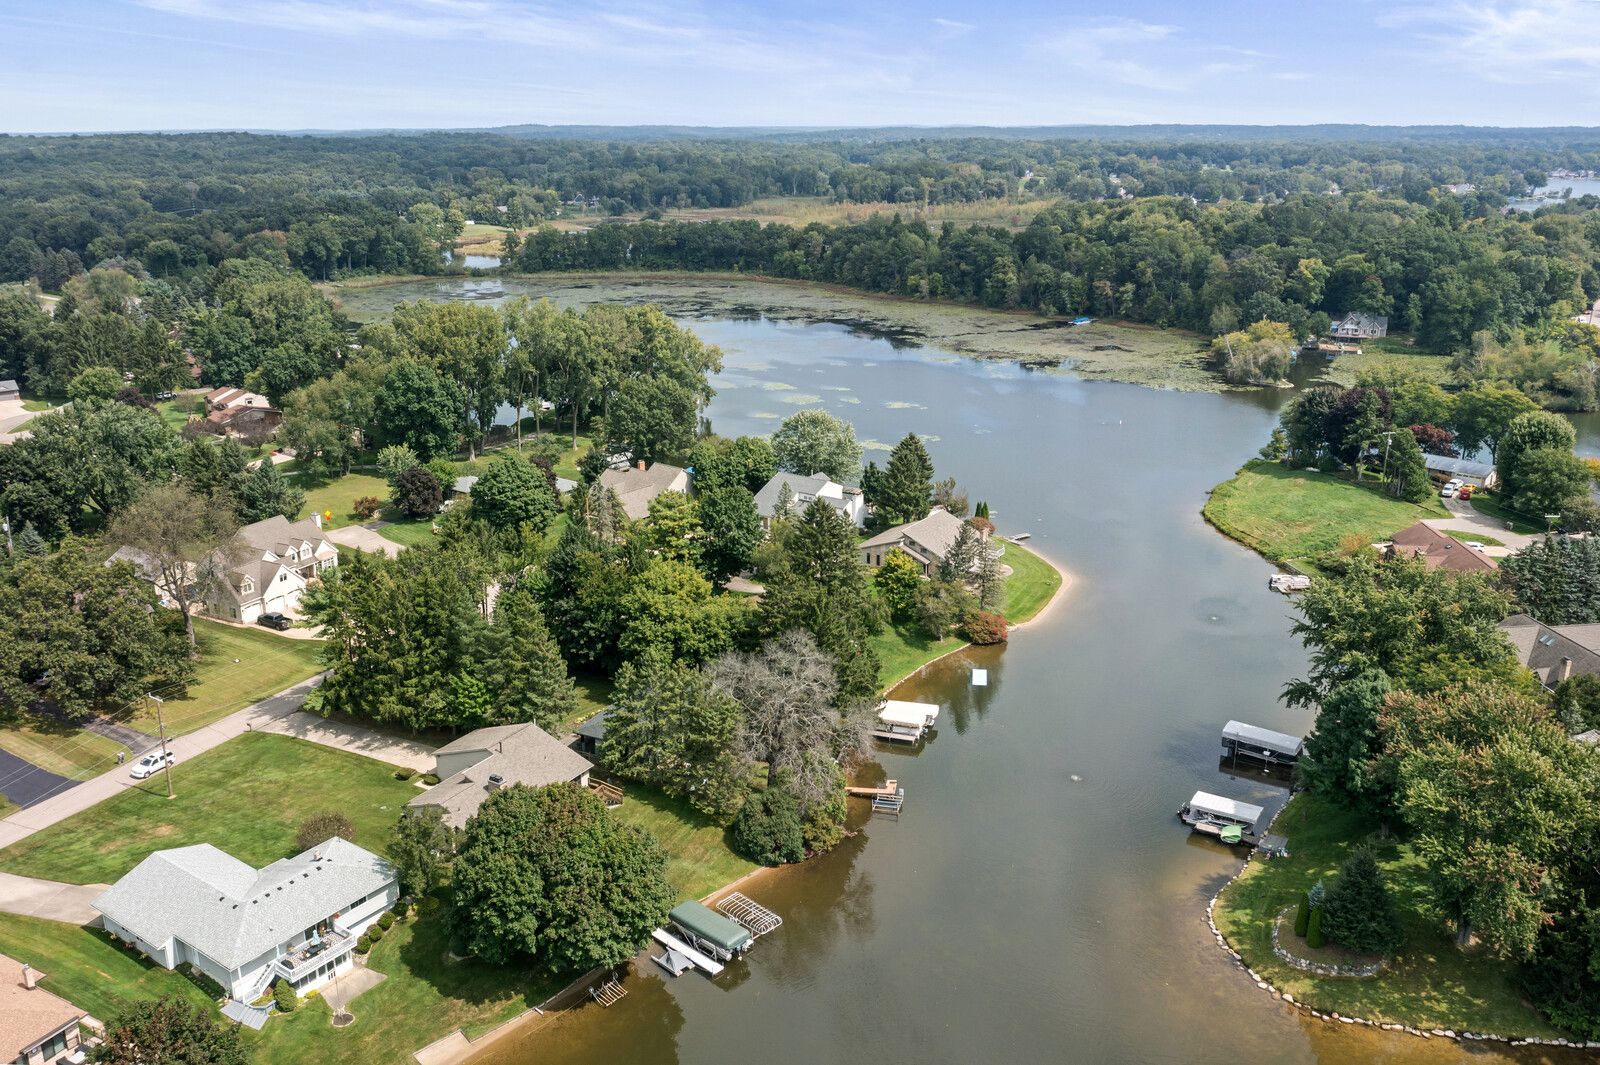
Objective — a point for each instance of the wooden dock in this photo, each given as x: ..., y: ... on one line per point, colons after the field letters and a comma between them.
x: 889, y: 804
x: 889, y: 788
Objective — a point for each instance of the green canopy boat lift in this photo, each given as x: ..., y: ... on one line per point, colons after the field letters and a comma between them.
x: 710, y: 932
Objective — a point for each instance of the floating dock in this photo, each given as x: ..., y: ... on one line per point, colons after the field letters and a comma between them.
x: 710, y: 966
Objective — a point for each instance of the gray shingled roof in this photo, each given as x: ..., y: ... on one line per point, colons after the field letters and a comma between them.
x: 935, y: 535
x: 1542, y: 648
x: 635, y: 488
x: 517, y: 754
x: 1458, y: 467
x: 805, y: 489
x: 229, y: 911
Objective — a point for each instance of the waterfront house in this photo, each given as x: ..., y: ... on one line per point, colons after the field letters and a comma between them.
x: 296, y: 920
x: 807, y: 489
x: 638, y: 484
x: 1438, y: 551
x: 36, y: 1027
x: 927, y: 541
x: 1554, y: 653
x: 1442, y: 468
x: 487, y: 759
x: 1357, y: 325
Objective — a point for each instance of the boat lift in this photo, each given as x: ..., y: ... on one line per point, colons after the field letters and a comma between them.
x: 676, y: 946
x: 754, y: 916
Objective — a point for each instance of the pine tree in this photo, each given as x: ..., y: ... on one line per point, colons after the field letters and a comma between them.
x: 906, y: 489
x: 1408, y: 470
x: 470, y: 701
x: 784, y: 509
x: 30, y: 544
x: 1358, y: 912
x: 990, y: 582
x: 523, y: 664
x: 962, y: 557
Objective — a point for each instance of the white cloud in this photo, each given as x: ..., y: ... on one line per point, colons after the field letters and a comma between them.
x: 954, y: 25
x: 1521, y: 41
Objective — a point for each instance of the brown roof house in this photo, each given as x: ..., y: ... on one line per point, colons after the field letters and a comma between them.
x: 637, y: 485
x: 490, y: 758
x: 233, y: 410
x: 927, y: 541
x: 36, y: 1027
x: 1554, y: 652
x: 1437, y: 550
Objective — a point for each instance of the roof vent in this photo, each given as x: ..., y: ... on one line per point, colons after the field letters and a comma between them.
x: 495, y: 780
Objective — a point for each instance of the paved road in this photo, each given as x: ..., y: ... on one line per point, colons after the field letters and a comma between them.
x: 25, y: 783
x: 46, y: 898
x: 1467, y: 518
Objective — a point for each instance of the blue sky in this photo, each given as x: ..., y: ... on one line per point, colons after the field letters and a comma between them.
x: 331, y: 64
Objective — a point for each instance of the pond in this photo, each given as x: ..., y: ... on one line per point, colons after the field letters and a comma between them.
x: 1037, y: 901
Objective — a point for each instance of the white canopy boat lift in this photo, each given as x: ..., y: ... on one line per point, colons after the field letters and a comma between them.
x: 900, y: 721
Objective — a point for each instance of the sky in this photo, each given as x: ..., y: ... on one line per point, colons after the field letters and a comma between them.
x: 88, y: 65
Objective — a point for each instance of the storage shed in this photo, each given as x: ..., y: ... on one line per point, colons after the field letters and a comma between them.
x: 1262, y: 745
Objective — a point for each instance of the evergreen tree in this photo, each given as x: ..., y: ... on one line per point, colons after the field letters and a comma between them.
x: 962, y: 558
x: 266, y: 492
x: 673, y: 528
x: 783, y: 509
x: 988, y: 581
x: 1408, y: 470
x: 520, y: 661
x: 732, y: 531
x: 1315, y: 937
x: 906, y: 489
x: 1557, y: 579
x: 1358, y: 912
x: 1302, y: 916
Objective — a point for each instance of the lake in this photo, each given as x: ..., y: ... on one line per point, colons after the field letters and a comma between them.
x: 1579, y: 187
x: 1038, y: 901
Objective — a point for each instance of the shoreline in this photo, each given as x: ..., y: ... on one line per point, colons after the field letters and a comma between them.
x: 455, y: 1048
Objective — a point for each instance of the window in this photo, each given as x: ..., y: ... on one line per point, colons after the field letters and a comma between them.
x: 247, y: 586
x: 55, y: 1046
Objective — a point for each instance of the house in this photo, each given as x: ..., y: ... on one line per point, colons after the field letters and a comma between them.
x: 637, y: 485
x: 233, y: 410
x: 269, y: 565
x: 226, y: 398
x: 847, y: 501
x: 36, y: 1027
x: 491, y: 758
x: 463, y: 485
x: 297, y: 920
x: 927, y: 541
x: 591, y: 733
x: 10, y: 390
x: 1554, y: 652
x: 1438, y: 551
x: 1442, y: 468
x: 1359, y: 326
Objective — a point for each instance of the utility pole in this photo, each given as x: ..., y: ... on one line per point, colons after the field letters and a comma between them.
x: 161, y: 725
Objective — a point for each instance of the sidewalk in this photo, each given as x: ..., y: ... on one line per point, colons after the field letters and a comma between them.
x: 25, y: 822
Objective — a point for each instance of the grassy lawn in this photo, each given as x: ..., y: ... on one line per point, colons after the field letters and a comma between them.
x: 425, y: 996
x: 87, y: 971
x: 1430, y: 983
x: 1288, y: 515
x: 337, y: 495
x: 176, y: 412
x: 1488, y: 504
x: 238, y: 666
x: 902, y: 650
x: 698, y: 858
x: 594, y: 695
x: 247, y: 797
x: 65, y: 750
x: 42, y: 405
x: 1032, y: 584
x: 407, y: 532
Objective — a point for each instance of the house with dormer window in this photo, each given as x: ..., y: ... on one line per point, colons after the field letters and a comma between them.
x: 270, y: 565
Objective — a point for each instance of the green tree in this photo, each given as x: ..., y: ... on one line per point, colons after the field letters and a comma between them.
x: 96, y: 384
x: 768, y: 829
x: 184, y: 542
x: 1546, y: 480
x: 1557, y: 579
x: 905, y: 492
x: 417, y: 493
x: 321, y: 827
x: 669, y: 607
x: 1408, y: 470
x: 814, y: 441
x: 1499, y: 799
x: 732, y: 531
x: 1341, y: 752
x: 422, y: 849
x: 512, y: 493
x: 673, y: 530
x: 264, y: 492
x: 465, y: 344
x: 1259, y: 354
x: 548, y: 875
x: 1358, y: 912
x: 419, y: 407
x: 170, y: 1031
x: 395, y: 460
x: 521, y: 663
x: 897, y: 581
x: 1528, y: 433
x: 1483, y: 414
x: 1316, y: 939
x: 653, y: 419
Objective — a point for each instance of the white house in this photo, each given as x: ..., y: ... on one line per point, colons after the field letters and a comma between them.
x: 271, y: 563
x: 298, y: 919
x: 847, y: 501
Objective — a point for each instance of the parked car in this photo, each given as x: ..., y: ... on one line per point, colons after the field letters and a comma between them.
x: 1465, y: 491
x: 1447, y: 492
x: 151, y: 764
x: 275, y: 620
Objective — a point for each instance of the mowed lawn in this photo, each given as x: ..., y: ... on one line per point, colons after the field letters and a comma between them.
x: 698, y: 859
x: 247, y: 797
x: 61, y: 749
x: 238, y: 666
x: 81, y: 967
x: 1290, y: 514
x: 1430, y: 982
x: 1032, y: 584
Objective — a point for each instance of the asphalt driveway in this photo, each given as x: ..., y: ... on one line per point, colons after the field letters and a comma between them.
x: 25, y: 783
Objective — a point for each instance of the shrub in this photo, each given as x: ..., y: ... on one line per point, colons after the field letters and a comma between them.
x: 368, y: 507
x: 984, y: 627
x: 196, y: 977
x: 386, y: 921
x: 430, y: 778
x: 283, y: 994
x: 1302, y: 916
x: 1314, y: 934
x: 417, y: 493
x: 363, y: 944
x: 768, y: 828
x: 404, y: 773
x: 321, y: 827
x: 1358, y: 912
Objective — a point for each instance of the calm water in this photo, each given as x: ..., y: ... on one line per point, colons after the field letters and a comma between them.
x: 1037, y: 901
x: 1579, y: 187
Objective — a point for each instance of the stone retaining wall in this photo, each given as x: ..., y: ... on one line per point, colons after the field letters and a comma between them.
x: 1336, y: 1018
x: 1354, y: 972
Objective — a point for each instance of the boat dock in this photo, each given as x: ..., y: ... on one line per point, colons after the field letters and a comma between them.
x: 889, y: 788
x: 904, y: 722
x: 676, y: 946
x: 750, y: 913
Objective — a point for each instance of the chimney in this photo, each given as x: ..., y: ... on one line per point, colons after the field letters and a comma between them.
x: 30, y: 976
x: 641, y: 465
x: 1565, y: 672
x: 316, y: 516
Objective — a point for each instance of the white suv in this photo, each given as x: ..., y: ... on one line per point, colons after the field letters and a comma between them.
x: 150, y: 764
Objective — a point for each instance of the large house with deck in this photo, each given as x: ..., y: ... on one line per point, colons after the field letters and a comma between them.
x: 927, y: 541
x: 270, y: 565
x: 804, y: 490
x: 246, y: 928
x: 487, y: 759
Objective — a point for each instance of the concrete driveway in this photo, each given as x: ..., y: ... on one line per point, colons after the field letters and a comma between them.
x: 364, y: 538
x: 353, y: 738
x: 25, y: 783
x: 1464, y: 517
x: 27, y: 897
x: 12, y: 415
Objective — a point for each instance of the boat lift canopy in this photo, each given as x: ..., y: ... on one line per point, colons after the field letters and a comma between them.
x: 907, y: 714
x: 1204, y: 803
x: 1239, y: 734
x: 711, y: 928
x: 750, y: 913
